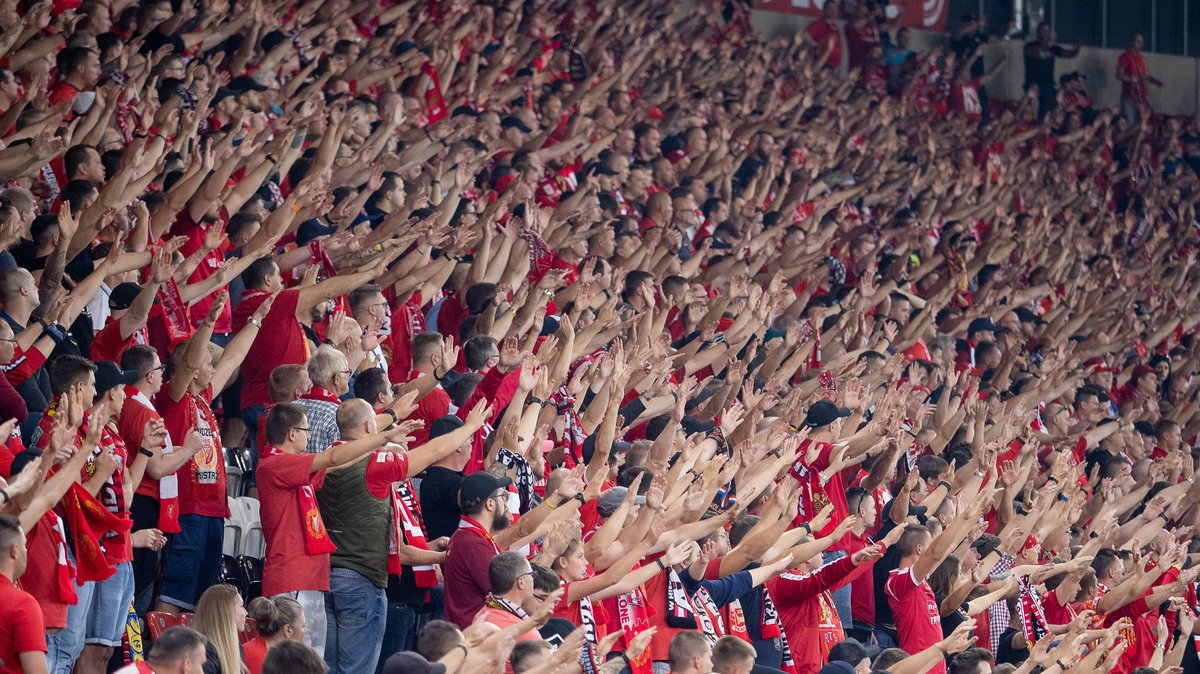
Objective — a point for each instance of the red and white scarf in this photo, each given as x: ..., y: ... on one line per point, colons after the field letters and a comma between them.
x: 316, y: 538
x: 168, y: 485
x: 1033, y: 617
x: 406, y: 527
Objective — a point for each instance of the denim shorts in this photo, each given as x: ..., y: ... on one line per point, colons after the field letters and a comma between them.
x: 110, y: 608
x: 194, y: 562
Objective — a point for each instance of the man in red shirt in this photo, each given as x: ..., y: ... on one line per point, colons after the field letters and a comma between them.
x: 298, y: 546
x: 81, y: 71
x: 918, y: 619
x: 427, y: 357
x: 281, y: 339
x: 1131, y: 72
x: 22, y: 635
x: 130, y: 305
x: 155, y: 505
x: 202, y: 371
x: 828, y: 36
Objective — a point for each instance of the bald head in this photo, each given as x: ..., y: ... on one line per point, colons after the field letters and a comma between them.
x: 658, y: 206
x: 355, y: 419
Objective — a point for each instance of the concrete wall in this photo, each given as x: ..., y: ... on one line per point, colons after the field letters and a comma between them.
x: 1179, y: 74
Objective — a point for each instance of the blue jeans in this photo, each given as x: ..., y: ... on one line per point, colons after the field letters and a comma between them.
x: 841, y: 596
x: 250, y: 417
x: 193, y: 562
x: 63, y: 649
x: 400, y: 633
x: 354, y: 610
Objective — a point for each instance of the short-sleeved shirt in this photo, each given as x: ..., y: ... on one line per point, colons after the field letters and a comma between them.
x: 466, y: 575
x: 439, y: 501
x: 288, y: 568
x: 21, y: 628
x: 203, y: 478
x: 918, y: 620
x: 1133, y: 64
x: 281, y: 341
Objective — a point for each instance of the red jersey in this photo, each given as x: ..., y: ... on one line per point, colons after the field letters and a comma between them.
x: 918, y: 620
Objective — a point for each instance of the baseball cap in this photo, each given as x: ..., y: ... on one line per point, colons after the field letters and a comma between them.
x: 589, y: 447
x: 477, y: 487
x: 825, y: 412
x: 109, y: 375
x: 408, y: 662
x: 980, y: 324
x: 444, y: 425
x: 985, y: 544
x: 123, y: 295
x: 611, y: 500
x: 512, y: 122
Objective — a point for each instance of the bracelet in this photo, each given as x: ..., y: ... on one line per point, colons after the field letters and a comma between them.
x: 807, y: 527
x: 1060, y: 665
x: 535, y: 399
x: 465, y: 651
x: 255, y: 322
x: 1052, y: 479
x: 551, y: 505
x: 945, y: 484
x: 145, y: 452
x: 980, y: 475
x: 1094, y: 534
x: 577, y: 497
x: 210, y: 326
x: 660, y: 564
x: 435, y: 376
x: 295, y: 208
x: 5, y: 495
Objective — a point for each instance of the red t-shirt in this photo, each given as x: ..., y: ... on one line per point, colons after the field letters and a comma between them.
x: 466, y: 575
x: 288, y: 568
x: 41, y: 574
x: 821, y: 31
x: 433, y: 406
x: 131, y: 426
x: 918, y: 621
x: 384, y: 469
x: 1133, y: 64
x: 21, y: 629
x: 202, y: 479
x: 253, y: 654
x: 281, y: 341
x: 108, y: 345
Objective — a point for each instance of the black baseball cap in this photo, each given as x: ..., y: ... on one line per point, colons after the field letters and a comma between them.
x: 123, y: 295
x: 444, y: 425
x: 245, y: 83
x: 109, y: 375
x: 825, y: 412
x: 478, y: 487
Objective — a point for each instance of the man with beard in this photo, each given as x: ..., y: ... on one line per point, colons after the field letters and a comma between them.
x: 484, y: 532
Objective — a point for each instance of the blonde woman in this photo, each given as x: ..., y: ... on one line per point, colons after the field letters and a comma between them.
x: 276, y: 620
x: 220, y: 615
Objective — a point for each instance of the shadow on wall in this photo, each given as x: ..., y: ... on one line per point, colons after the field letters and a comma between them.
x: 1180, y: 94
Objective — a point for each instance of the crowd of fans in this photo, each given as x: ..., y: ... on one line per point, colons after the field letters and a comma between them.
x: 600, y: 337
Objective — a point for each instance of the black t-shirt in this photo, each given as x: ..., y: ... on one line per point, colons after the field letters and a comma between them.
x: 1005, y: 651
x: 439, y: 501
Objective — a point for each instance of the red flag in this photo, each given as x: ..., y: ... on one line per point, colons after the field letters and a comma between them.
x: 88, y: 521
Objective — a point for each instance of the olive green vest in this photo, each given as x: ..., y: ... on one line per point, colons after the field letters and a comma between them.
x: 357, y: 523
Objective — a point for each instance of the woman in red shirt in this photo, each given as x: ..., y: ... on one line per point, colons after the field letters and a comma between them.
x: 275, y: 620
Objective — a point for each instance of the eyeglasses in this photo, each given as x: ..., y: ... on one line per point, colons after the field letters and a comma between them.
x: 377, y: 304
x: 8, y: 340
x: 346, y: 372
x: 299, y: 428
x: 159, y: 368
x: 541, y: 597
